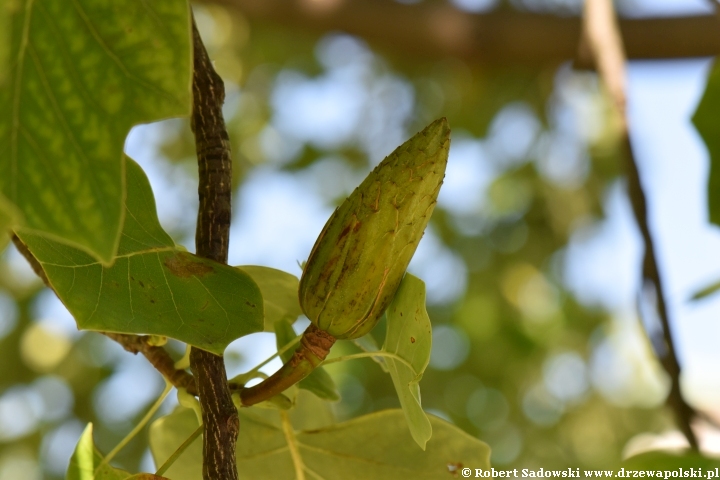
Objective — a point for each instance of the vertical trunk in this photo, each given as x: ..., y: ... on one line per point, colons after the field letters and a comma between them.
x: 211, y: 241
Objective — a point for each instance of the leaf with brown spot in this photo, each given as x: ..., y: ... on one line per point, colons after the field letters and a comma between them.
x: 153, y: 287
x: 185, y: 265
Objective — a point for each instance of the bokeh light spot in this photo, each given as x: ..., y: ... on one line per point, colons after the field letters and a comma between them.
x: 450, y: 347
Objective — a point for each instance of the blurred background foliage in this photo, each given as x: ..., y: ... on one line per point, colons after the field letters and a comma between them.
x: 547, y: 376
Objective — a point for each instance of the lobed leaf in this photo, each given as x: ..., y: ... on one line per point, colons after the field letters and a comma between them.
x: 376, y: 446
x: 279, y: 291
x: 153, y: 287
x: 76, y: 77
x: 409, y: 336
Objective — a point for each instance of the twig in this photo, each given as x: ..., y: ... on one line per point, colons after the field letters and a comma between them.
x: 180, y: 450
x: 220, y: 416
x: 136, y: 429
x: 651, y: 275
x: 603, y: 37
x: 315, y: 344
x: 157, y: 356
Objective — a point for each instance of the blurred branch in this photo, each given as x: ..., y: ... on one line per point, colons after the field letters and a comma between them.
x: 157, y: 356
x: 604, y: 41
x: 437, y: 29
x: 212, y: 235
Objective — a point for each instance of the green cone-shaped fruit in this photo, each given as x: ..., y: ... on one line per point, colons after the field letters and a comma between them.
x: 361, y: 255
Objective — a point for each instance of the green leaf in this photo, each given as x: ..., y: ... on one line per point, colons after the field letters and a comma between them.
x: 670, y: 461
x: 79, y: 76
x: 5, y: 14
x: 367, y: 343
x: 310, y: 412
x: 168, y: 433
x: 708, y: 126
x: 6, y: 223
x: 153, y: 286
x: 707, y: 291
x: 319, y: 381
x: 409, y: 335
x: 87, y: 458
x: 279, y: 291
x: 376, y: 446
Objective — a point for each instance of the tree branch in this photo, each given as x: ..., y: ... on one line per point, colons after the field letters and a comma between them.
x: 605, y: 43
x: 220, y: 416
x: 437, y: 29
x: 157, y: 356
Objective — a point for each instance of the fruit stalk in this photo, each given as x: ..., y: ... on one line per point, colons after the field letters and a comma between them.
x: 314, y: 347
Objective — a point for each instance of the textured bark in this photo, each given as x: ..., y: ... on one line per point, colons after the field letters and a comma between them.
x: 211, y: 241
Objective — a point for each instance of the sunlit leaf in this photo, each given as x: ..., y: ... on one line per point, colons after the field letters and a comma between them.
x: 153, y: 287
x: 279, y: 291
x: 86, y: 458
x: 409, y: 335
x: 376, y: 446
x: 319, y: 381
x: 706, y: 122
x: 80, y: 75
